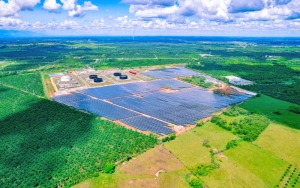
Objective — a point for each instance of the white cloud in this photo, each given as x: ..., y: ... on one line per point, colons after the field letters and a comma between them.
x: 51, y: 5
x: 12, y: 7
x: 10, y: 22
x: 217, y: 10
x: 69, y: 4
x: 79, y: 11
x: 89, y: 6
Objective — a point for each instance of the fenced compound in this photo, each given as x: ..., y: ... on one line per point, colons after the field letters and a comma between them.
x: 132, y: 103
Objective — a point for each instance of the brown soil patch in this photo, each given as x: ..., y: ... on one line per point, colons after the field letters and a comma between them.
x: 149, y: 163
x: 180, y: 129
x: 140, y: 183
x: 221, y: 155
x: 166, y: 90
x: 227, y: 90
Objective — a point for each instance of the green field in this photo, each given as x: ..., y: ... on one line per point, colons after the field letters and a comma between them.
x: 268, y: 105
x: 281, y: 141
x: 232, y: 174
x: 189, y: 150
x: 261, y: 163
x: 217, y: 137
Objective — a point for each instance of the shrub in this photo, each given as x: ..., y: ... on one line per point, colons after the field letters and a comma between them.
x: 206, y: 143
x: 169, y: 138
x: 196, y: 183
x: 200, y: 124
x: 295, y: 109
x: 203, y: 170
x: 110, y: 168
x: 96, y: 174
x: 231, y: 144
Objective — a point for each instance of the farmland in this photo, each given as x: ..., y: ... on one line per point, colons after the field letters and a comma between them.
x: 149, y: 129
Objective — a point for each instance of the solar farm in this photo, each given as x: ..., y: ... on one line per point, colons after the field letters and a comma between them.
x: 147, y: 106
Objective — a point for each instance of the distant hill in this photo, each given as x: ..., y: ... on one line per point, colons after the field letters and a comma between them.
x: 19, y: 33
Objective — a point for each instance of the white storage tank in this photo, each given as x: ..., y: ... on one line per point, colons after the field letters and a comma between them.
x: 65, y: 79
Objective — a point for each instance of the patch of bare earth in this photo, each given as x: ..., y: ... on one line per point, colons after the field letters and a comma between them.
x: 151, y: 162
x: 167, y: 90
x: 227, y: 90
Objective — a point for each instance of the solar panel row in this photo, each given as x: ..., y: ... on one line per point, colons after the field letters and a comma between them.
x: 179, y: 108
x: 115, y: 91
x: 171, y: 73
x: 148, y: 124
x: 95, y: 106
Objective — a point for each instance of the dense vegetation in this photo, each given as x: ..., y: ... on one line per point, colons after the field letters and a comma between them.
x: 198, y: 80
x: 46, y: 144
x: 27, y: 82
x: 274, y: 79
x: 248, y: 128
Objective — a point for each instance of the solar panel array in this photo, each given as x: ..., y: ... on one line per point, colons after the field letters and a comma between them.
x: 115, y: 91
x: 95, y: 106
x: 170, y: 73
x: 148, y: 124
x: 180, y: 108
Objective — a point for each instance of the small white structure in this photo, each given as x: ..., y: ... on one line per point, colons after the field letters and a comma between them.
x: 65, y: 79
x: 238, y: 81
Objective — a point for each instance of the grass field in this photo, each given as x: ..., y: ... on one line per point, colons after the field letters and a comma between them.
x: 231, y: 174
x: 282, y: 141
x: 263, y: 164
x: 268, y: 105
x: 217, y: 137
x: 189, y: 150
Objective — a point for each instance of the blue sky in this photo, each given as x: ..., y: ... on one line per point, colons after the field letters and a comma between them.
x: 153, y: 17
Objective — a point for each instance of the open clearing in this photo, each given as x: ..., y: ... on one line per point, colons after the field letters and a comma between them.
x: 155, y: 168
x: 230, y: 174
x: 189, y: 150
x: 282, y: 141
x: 217, y: 137
x: 260, y: 162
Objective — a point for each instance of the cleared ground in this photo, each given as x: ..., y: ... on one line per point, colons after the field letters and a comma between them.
x: 155, y: 168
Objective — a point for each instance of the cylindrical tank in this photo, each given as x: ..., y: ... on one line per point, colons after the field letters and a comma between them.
x: 117, y: 74
x: 123, y: 77
x: 98, y: 80
x: 93, y: 76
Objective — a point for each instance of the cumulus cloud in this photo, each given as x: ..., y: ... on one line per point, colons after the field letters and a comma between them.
x: 51, y: 5
x: 79, y: 11
x: 245, y: 5
x: 69, y: 4
x: 12, y: 7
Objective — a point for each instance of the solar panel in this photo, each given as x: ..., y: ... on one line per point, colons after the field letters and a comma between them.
x: 182, y: 107
x: 148, y: 124
x: 171, y: 73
